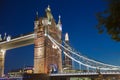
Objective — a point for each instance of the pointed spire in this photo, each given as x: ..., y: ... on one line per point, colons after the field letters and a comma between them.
x: 36, y: 16
x: 36, y: 23
x: 48, y: 8
x: 66, y: 37
x: 5, y: 36
x: 59, y: 20
x: 49, y: 15
x: 0, y: 37
x: 59, y: 25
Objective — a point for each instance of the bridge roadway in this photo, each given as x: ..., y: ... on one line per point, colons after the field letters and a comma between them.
x: 91, y: 75
x: 19, y: 41
x: 12, y: 78
x: 67, y: 76
x: 84, y: 74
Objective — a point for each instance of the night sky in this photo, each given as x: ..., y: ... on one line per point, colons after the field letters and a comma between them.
x: 78, y: 19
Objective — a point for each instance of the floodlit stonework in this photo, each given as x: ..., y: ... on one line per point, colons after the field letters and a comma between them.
x: 46, y: 56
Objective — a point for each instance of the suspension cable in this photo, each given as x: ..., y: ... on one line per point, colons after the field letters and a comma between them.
x: 92, y: 60
x: 55, y: 42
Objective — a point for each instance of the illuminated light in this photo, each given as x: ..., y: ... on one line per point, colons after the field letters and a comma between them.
x: 3, y: 51
x: 8, y: 38
x: 54, y: 46
x: 60, y: 28
x: 45, y: 34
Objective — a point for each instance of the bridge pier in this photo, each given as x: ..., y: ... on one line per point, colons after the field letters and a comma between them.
x: 2, y: 61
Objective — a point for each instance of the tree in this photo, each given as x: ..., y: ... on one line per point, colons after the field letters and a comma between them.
x: 109, y: 20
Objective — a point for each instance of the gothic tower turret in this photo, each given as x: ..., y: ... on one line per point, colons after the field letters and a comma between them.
x: 67, y: 38
x: 59, y: 27
x: 67, y: 61
x: 47, y: 57
x: 36, y: 22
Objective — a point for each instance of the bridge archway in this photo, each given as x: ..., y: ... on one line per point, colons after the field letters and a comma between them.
x: 15, y: 42
x: 19, y: 58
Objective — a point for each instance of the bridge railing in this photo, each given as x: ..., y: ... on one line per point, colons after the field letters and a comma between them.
x: 86, y: 73
x: 21, y: 35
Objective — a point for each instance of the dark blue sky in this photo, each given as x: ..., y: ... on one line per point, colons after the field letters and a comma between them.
x: 78, y: 19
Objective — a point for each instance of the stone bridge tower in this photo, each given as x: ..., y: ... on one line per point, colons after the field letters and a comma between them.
x: 47, y: 57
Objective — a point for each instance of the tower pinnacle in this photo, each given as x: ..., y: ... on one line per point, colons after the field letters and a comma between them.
x: 0, y: 38
x: 59, y: 21
x: 66, y: 37
x: 49, y: 15
x: 36, y: 16
x: 48, y: 8
x: 5, y: 36
x: 59, y: 25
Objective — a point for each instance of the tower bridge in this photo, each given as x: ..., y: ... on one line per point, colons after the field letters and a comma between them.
x: 48, y: 48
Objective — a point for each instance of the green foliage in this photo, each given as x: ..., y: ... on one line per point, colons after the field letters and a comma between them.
x: 109, y: 20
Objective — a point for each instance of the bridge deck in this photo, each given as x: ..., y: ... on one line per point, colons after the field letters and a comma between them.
x: 18, y: 42
x: 84, y: 74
